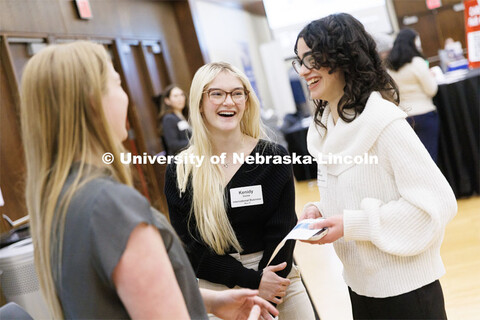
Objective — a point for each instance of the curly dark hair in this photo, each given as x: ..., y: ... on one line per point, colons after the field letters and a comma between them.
x: 340, y: 42
x: 404, y: 49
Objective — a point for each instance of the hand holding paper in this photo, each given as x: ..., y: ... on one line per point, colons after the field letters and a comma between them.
x: 335, y: 229
x: 301, y: 231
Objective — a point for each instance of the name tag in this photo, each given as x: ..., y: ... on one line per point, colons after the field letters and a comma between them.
x: 182, y: 125
x: 322, y: 174
x: 246, y: 196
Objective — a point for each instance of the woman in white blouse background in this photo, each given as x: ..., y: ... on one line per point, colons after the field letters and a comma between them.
x: 417, y: 86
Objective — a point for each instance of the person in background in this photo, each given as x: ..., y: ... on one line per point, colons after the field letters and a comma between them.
x: 101, y: 251
x: 454, y: 49
x: 417, y: 86
x: 451, y: 57
x: 386, y: 217
x: 232, y: 215
x: 173, y: 126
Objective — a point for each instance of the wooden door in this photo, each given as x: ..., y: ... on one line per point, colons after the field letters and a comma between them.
x: 155, y: 65
x: 15, y: 52
x: 144, y: 74
x: 142, y: 80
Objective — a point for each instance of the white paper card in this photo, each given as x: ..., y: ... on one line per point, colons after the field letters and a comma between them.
x: 322, y: 174
x: 246, y: 196
x: 2, y: 202
x: 301, y: 232
x: 182, y: 125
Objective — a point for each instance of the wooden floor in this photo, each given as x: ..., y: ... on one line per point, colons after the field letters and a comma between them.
x: 321, y: 269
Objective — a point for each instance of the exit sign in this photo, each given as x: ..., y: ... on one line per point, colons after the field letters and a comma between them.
x: 84, y: 10
x: 434, y: 4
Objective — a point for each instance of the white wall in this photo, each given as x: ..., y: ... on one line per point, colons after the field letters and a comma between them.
x: 228, y: 34
x: 277, y: 78
x: 287, y: 18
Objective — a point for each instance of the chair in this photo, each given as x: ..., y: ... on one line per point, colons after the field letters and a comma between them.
x: 13, y: 311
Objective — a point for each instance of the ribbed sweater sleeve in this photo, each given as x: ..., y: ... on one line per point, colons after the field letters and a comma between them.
x: 206, y: 263
x: 426, y: 203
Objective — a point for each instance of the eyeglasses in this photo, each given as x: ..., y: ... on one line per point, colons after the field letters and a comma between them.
x: 218, y: 96
x: 308, y: 61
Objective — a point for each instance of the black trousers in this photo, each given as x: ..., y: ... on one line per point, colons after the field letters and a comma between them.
x: 423, y: 303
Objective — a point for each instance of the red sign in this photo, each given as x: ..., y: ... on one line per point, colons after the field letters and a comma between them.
x: 434, y: 4
x: 84, y: 10
x: 472, y: 30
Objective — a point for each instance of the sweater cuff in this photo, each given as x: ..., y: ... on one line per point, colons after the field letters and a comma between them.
x: 355, y: 225
x: 250, y: 279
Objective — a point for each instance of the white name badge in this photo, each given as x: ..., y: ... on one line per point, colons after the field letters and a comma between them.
x: 182, y: 125
x: 322, y: 174
x: 246, y: 196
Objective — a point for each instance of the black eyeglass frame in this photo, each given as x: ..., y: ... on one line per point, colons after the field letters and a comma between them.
x: 245, y: 91
x: 301, y: 62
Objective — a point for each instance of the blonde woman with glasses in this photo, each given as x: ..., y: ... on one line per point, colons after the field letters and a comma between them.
x: 100, y: 249
x: 232, y: 214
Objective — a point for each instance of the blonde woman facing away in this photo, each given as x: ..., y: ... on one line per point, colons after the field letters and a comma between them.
x: 417, y: 87
x: 100, y: 249
x: 229, y: 241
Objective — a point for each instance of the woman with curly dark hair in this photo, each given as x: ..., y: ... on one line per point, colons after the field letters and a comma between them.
x: 417, y: 87
x: 382, y: 198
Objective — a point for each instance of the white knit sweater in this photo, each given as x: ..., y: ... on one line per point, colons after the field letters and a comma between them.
x: 417, y: 86
x: 394, y: 212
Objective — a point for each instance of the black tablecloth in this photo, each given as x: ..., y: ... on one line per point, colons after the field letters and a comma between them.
x: 458, y: 106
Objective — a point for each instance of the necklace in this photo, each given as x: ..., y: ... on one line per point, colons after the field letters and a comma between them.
x: 225, y: 164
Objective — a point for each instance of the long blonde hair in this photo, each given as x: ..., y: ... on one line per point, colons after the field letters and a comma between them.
x: 63, y: 122
x: 207, y: 180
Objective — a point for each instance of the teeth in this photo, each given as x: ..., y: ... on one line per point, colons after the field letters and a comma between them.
x: 312, y: 81
x: 226, y: 113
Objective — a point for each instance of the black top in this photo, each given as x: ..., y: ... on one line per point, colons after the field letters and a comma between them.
x: 257, y: 227
x: 99, y: 220
x: 174, y: 138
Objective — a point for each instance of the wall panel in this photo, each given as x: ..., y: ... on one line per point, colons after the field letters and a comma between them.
x: 12, y: 164
x: 137, y: 19
x: 56, y: 21
x: 434, y: 26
